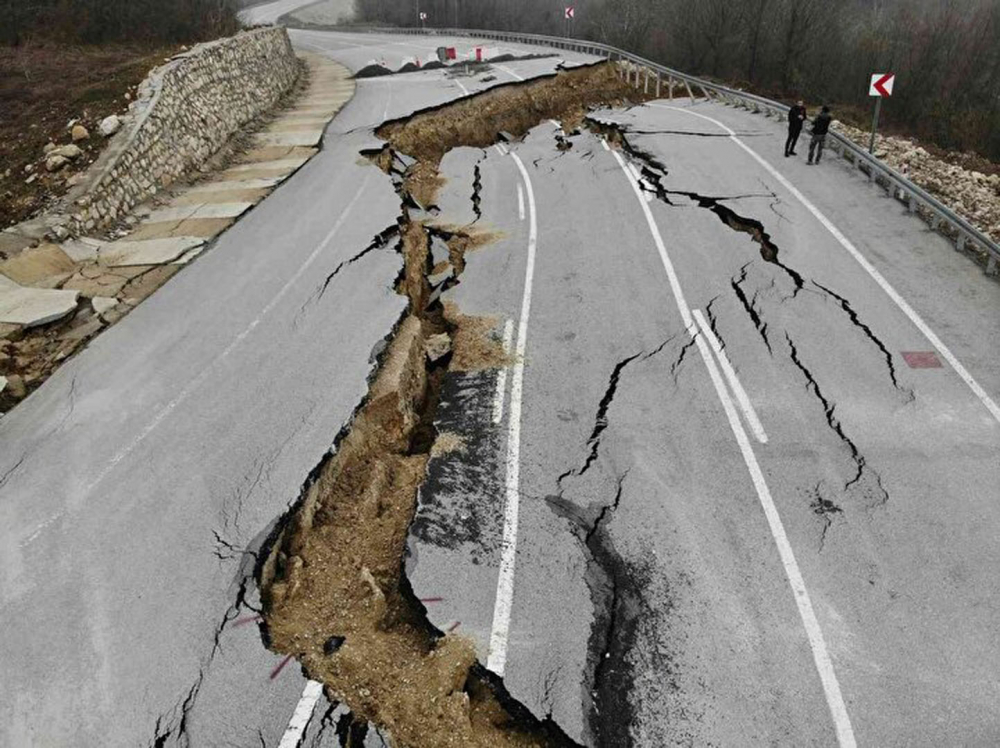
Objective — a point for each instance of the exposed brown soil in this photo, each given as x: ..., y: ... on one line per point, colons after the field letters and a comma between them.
x: 43, y: 86
x: 479, y: 121
x: 335, y: 593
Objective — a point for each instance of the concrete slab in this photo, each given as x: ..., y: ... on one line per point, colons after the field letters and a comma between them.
x: 102, y: 304
x: 307, y: 126
x: 35, y: 306
x: 83, y: 249
x: 311, y: 137
x: 221, y: 196
x: 148, y: 251
x: 188, y: 256
x: 235, y: 184
x: 200, y: 211
x: 32, y: 266
x: 201, y: 227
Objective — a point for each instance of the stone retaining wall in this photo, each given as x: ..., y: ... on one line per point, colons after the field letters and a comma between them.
x: 185, y: 111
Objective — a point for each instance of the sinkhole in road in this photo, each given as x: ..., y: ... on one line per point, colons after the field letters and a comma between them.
x: 333, y: 584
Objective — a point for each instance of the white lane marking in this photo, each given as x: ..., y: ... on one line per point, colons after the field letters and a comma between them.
x: 520, y: 202
x: 675, y: 285
x: 508, y: 339
x: 501, y: 148
x: 464, y: 89
x: 497, y: 659
x: 509, y: 72
x: 831, y: 687
x: 555, y: 124
x: 727, y: 368
x: 604, y: 144
x: 303, y: 713
x: 821, y: 657
x: 846, y: 243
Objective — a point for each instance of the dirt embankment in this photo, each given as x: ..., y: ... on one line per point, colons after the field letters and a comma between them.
x: 335, y: 593
x: 43, y: 88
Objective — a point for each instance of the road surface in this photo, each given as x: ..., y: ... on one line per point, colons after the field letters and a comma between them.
x: 744, y: 517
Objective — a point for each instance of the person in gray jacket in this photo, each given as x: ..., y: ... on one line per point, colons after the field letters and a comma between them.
x: 821, y: 126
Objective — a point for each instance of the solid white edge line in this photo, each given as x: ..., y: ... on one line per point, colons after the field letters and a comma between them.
x: 675, y: 285
x: 846, y: 243
x: 520, y: 202
x: 464, y: 89
x: 497, y: 659
x: 303, y: 714
x: 727, y: 368
x: 824, y: 665
x: 498, y: 396
x: 831, y: 687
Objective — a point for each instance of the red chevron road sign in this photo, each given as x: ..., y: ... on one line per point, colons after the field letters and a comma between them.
x: 881, y: 84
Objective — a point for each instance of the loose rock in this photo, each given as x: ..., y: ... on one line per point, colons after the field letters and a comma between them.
x: 79, y: 133
x: 55, y: 163
x: 110, y: 125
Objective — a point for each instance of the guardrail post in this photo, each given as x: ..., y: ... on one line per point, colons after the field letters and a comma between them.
x: 991, y: 265
x: 645, y: 90
x: 960, y: 242
x: 690, y: 95
x: 670, y: 84
x: 659, y: 81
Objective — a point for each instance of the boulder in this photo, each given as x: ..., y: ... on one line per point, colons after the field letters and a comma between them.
x: 15, y: 387
x: 48, y: 148
x: 66, y: 151
x: 78, y: 133
x: 55, y: 163
x: 110, y: 125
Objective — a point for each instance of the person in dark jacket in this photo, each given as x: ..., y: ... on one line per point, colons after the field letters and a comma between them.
x: 821, y: 126
x: 796, y: 116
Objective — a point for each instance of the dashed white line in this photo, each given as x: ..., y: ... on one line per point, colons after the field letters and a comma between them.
x: 821, y: 656
x: 498, y: 396
x: 303, y: 713
x: 520, y: 202
x: 497, y: 659
x: 846, y: 243
x: 727, y: 368
x: 509, y: 72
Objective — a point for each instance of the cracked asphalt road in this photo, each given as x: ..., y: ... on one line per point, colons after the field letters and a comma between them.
x: 650, y: 606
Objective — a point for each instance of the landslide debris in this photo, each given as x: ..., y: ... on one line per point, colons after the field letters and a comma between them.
x: 503, y: 112
x: 333, y: 585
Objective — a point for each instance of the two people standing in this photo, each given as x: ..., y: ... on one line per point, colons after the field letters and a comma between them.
x: 820, y: 127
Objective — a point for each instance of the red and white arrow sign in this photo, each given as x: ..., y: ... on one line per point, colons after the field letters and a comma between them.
x: 881, y: 84
x: 570, y: 12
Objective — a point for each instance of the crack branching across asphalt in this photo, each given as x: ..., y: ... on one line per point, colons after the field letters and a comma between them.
x: 335, y: 595
x: 652, y: 174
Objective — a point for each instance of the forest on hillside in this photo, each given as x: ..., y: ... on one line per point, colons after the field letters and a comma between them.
x: 100, y: 21
x: 945, y: 53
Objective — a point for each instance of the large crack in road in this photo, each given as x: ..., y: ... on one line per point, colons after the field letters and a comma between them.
x: 335, y: 595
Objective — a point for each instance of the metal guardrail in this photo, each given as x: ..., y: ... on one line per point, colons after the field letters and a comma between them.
x: 919, y: 201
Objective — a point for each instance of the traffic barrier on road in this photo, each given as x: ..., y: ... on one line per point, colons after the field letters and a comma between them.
x: 646, y: 74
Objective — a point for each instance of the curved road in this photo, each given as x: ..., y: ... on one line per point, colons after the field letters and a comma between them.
x: 739, y: 514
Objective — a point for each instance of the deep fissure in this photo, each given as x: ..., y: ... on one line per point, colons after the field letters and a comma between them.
x: 333, y: 569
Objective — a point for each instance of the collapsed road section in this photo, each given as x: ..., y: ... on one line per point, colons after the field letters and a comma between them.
x: 335, y: 593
